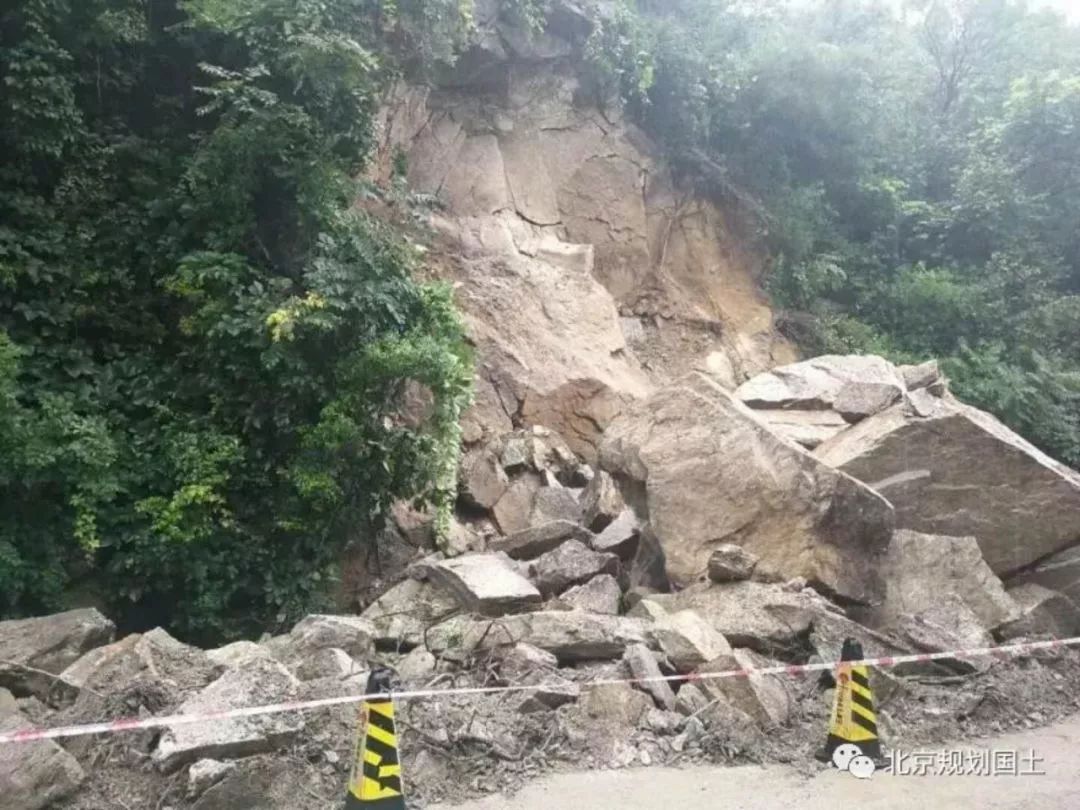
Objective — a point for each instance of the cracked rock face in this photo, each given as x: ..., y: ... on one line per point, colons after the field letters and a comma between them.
x: 563, y: 218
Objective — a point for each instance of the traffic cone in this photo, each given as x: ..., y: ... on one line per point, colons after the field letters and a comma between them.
x: 375, y: 781
x: 852, y: 721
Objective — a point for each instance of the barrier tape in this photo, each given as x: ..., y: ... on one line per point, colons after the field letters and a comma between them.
x: 137, y: 724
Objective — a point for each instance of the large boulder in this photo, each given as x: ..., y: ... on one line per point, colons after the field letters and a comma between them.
x: 713, y: 473
x: 486, y: 584
x: 402, y: 614
x: 34, y: 775
x: 1043, y: 612
x: 153, y: 656
x: 950, y: 469
x: 33, y: 649
x: 764, y: 698
x: 1059, y: 572
x: 807, y: 428
x: 252, y: 684
x: 572, y: 563
x: 531, y: 543
x: 599, y: 595
x: 570, y: 635
x: 687, y: 640
x: 923, y: 569
x: 765, y: 617
x: 862, y: 383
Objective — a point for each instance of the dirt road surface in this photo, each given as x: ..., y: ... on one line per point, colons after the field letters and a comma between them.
x: 771, y: 787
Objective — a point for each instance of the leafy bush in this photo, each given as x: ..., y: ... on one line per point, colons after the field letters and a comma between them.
x: 204, y: 345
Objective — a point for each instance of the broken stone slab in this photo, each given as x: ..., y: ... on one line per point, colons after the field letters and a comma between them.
x: 483, y: 481
x: 806, y: 428
x: 1043, y: 612
x: 402, y: 614
x: 512, y: 511
x: 646, y: 671
x: 687, y: 640
x: 921, y: 569
x: 233, y: 655
x: 531, y: 543
x: 856, y: 401
x: 555, y: 503
x: 690, y: 700
x: 417, y: 666
x: 953, y: 470
x: 251, y: 684
x: 764, y: 698
x: 714, y: 473
x: 486, y: 584
x: 616, y: 703
x: 523, y: 661
x: 601, y: 502
x: 923, y: 375
x: 948, y: 625
x: 570, y: 635
x: 35, y: 775
x: 33, y: 649
x: 736, y: 729
x: 599, y: 595
x: 255, y: 783
x: 353, y: 634
x: 551, y: 694
x: 572, y: 563
x: 154, y: 656
x: 516, y: 453
x: 1060, y: 572
x: 328, y: 662
x: 817, y: 384
x: 731, y: 563
x: 620, y: 537
x: 749, y: 614
x: 204, y: 774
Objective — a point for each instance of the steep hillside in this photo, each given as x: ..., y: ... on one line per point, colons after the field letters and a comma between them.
x: 585, y: 272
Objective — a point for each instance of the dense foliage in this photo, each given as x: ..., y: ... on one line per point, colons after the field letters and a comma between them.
x: 917, y: 167
x: 204, y: 344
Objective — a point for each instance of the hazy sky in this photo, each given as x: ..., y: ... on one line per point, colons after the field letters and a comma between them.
x: 1070, y: 7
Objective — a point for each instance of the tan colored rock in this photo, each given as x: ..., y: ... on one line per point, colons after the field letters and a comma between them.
x: 748, y: 614
x: 572, y: 563
x: 618, y: 704
x: 922, y: 569
x: 806, y: 428
x: 353, y: 634
x: 923, y: 375
x: 599, y: 595
x: 47, y: 644
x: 483, y: 481
x: 1060, y: 572
x: 476, y: 183
x: 152, y: 656
x: 687, y: 640
x: 555, y: 503
x: 601, y: 502
x: 486, y: 584
x: 530, y: 183
x: 570, y: 635
x: 513, y: 512
x: 402, y: 614
x: 731, y: 563
x: 764, y: 698
x: 713, y: 473
x: 817, y: 384
x: 620, y: 537
x: 252, y: 684
x: 237, y: 653
x: 531, y: 543
x: 35, y: 775
x: 646, y: 672
x: 1043, y: 612
x: 953, y: 470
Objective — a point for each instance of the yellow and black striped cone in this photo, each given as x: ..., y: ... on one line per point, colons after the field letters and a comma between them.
x: 852, y: 721
x: 375, y: 781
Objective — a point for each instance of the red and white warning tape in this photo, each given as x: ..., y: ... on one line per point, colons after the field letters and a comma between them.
x: 136, y: 723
